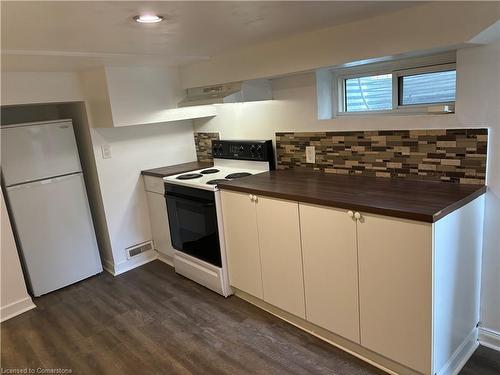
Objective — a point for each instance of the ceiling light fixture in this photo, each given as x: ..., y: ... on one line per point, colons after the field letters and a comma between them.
x: 148, y: 18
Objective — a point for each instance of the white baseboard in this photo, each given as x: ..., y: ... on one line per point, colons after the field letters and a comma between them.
x: 166, y: 259
x: 108, y: 266
x: 15, y: 308
x: 489, y: 338
x: 461, y: 355
x: 130, y: 264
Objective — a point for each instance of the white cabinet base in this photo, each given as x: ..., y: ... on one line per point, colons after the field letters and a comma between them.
x: 461, y: 355
x: 418, y: 283
x: 166, y: 259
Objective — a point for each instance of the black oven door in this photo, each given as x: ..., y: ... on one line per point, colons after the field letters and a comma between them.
x: 193, y: 222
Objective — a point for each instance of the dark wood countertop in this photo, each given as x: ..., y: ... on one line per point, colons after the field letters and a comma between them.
x: 426, y: 201
x: 176, y: 169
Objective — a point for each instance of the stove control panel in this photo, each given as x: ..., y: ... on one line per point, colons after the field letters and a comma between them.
x: 244, y: 150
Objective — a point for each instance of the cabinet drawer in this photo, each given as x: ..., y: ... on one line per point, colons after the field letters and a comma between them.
x: 154, y: 184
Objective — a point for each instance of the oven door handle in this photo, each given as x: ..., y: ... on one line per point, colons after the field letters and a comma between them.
x: 189, y: 199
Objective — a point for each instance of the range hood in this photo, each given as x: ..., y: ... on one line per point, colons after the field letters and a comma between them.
x: 235, y: 92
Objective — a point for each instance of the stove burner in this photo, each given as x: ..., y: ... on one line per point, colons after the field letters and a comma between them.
x: 209, y: 171
x: 238, y: 175
x: 189, y: 176
x: 216, y: 181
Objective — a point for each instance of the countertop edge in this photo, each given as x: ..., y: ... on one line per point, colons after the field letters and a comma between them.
x: 153, y: 174
x: 460, y: 203
x: 176, y: 169
x: 428, y: 218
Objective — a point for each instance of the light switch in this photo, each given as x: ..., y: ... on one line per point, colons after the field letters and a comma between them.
x: 106, y: 151
x: 310, y: 154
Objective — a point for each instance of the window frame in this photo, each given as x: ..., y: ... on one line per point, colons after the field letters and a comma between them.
x: 399, y: 74
x: 342, y: 88
x: 398, y: 69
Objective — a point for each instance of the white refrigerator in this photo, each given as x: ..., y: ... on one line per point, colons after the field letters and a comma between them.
x: 45, y: 188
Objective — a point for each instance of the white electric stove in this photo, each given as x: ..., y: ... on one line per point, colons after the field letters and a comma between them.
x: 194, y: 210
x: 208, y: 178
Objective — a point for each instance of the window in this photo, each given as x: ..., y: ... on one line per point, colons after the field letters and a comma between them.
x: 411, y: 86
x: 372, y: 93
x: 427, y: 88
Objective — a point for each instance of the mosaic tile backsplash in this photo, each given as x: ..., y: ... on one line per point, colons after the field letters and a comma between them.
x: 450, y: 155
x: 203, y: 143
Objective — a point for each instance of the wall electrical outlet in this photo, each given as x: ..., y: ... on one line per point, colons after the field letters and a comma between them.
x: 106, y: 151
x: 310, y: 154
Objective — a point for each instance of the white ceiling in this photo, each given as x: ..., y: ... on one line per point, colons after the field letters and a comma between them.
x: 72, y: 35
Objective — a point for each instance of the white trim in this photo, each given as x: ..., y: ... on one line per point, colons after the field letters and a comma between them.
x: 489, y: 338
x: 34, y: 123
x: 15, y: 308
x: 167, y: 259
x: 128, y: 265
x: 425, y: 69
x: 363, y: 68
x: 461, y: 355
x: 108, y: 266
x: 416, y: 109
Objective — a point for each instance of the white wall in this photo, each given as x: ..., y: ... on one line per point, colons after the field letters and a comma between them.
x: 428, y: 26
x: 77, y: 112
x: 39, y: 87
x: 478, y: 103
x: 294, y: 108
x: 14, y: 298
x: 133, y: 149
x: 140, y: 95
x: 135, y: 95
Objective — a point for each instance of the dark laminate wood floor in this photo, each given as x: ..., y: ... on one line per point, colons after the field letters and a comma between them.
x: 485, y: 361
x: 152, y: 321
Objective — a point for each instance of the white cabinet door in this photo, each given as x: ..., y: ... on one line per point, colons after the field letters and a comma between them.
x: 330, y: 269
x: 281, y: 255
x: 395, y: 289
x: 159, y: 223
x: 242, y: 242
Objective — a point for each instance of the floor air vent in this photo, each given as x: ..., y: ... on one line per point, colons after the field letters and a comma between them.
x: 135, y: 250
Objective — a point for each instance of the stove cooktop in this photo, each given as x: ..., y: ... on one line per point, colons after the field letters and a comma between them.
x: 238, y: 175
x: 208, y: 179
x: 217, y: 181
x: 210, y: 171
x: 189, y: 176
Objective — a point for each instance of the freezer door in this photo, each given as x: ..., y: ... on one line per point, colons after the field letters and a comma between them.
x: 34, y: 152
x: 57, y: 239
